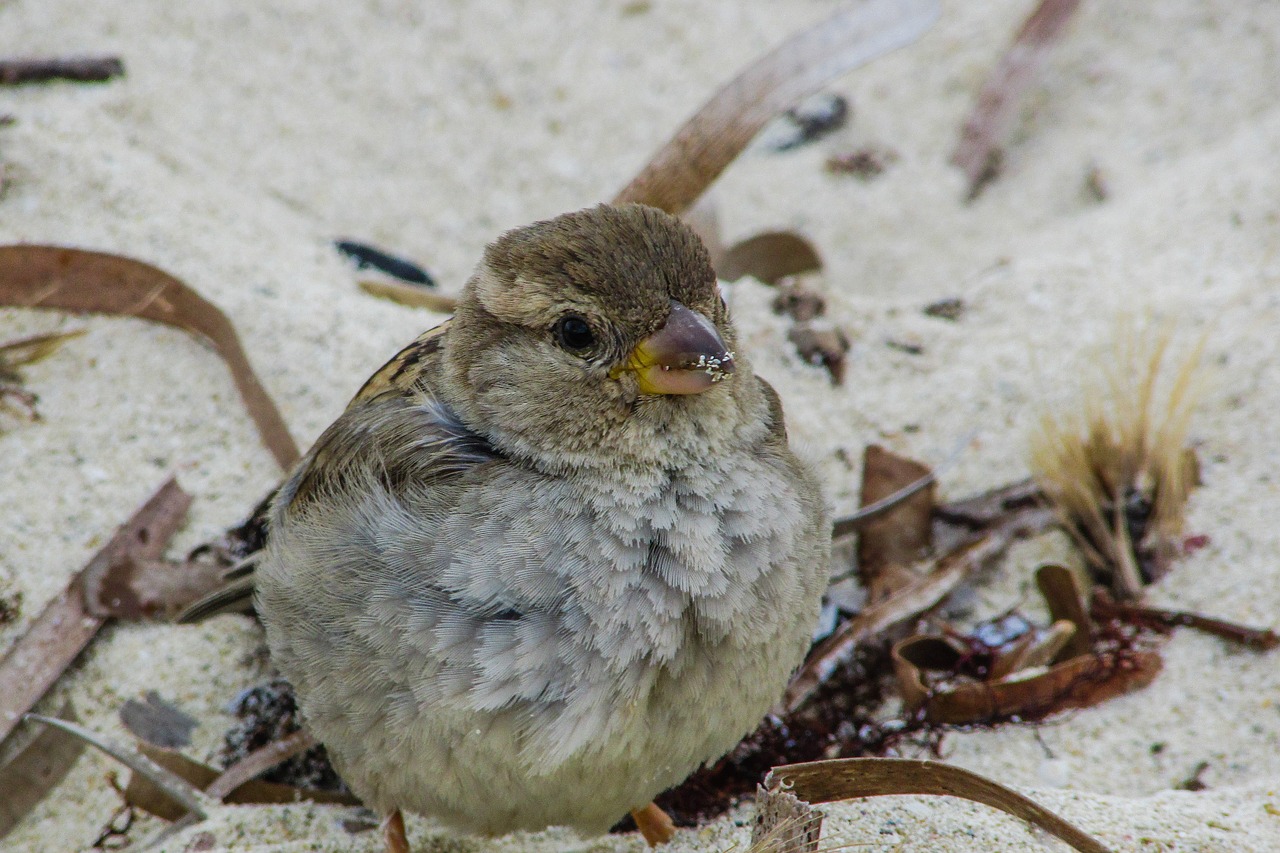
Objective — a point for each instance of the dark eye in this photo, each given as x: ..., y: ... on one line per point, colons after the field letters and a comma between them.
x: 574, y: 334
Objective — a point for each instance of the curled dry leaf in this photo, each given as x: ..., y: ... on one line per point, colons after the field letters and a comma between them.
x: 79, y: 280
x: 146, y: 795
x: 66, y: 625
x: 769, y: 257
x: 709, y: 141
x: 957, y: 680
x: 890, y: 545
x: 820, y: 782
x: 978, y: 152
x: 1115, y: 462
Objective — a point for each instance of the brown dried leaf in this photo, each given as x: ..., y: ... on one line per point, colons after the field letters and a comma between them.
x: 1077, y: 683
x: 65, y: 627
x: 150, y: 589
x: 410, y: 295
x: 143, y: 794
x: 823, y: 345
x: 172, y: 786
x: 79, y: 280
x: 1061, y: 590
x: 848, y: 778
x: 35, y: 768
x: 889, y: 545
x: 709, y: 141
x: 769, y: 257
x: 978, y: 151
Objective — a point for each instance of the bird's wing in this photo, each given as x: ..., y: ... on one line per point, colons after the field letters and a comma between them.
x: 403, y: 372
x: 394, y: 423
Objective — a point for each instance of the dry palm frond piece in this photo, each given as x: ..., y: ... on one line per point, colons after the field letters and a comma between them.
x: 1115, y: 464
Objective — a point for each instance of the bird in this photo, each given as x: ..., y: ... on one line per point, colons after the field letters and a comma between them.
x: 558, y: 552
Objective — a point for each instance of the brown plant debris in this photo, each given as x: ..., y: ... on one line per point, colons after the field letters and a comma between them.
x: 84, y: 69
x: 32, y: 763
x: 409, y: 295
x: 10, y: 608
x: 829, y: 781
x: 1106, y: 607
x: 890, y: 545
x: 146, y: 795
x: 1115, y: 462
x: 1009, y: 669
x: 822, y: 345
x: 770, y: 257
x: 66, y: 625
x: 863, y: 164
x: 797, y: 300
x: 78, y: 280
x: 978, y: 153
x: 716, y: 134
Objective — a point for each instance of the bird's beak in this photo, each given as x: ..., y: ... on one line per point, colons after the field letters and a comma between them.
x: 686, y: 356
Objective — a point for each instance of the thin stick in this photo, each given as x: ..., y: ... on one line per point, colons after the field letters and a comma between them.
x: 61, y: 632
x: 260, y: 761
x: 977, y: 152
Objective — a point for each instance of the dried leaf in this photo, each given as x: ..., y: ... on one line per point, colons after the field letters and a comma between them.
x: 79, y: 280
x: 1029, y: 694
x: 977, y: 152
x: 150, y: 589
x: 35, y: 768
x: 1105, y: 607
x: 65, y: 627
x: 145, y: 795
x: 889, y: 545
x: 24, y: 351
x: 949, y: 571
x: 769, y: 257
x: 409, y: 295
x: 683, y: 168
x: 1061, y: 590
x: 158, y: 722
x: 848, y: 778
x: 172, y: 785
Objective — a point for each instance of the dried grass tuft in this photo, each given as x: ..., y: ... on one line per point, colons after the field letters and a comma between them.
x: 1115, y: 463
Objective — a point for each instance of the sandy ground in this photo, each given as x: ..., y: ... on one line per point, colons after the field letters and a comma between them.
x: 245, y: 138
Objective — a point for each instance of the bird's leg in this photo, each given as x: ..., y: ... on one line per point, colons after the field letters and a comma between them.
x: 655, y: 825
x: 393, y: 834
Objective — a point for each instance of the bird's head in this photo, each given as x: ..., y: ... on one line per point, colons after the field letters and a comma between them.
x: 587, y: 333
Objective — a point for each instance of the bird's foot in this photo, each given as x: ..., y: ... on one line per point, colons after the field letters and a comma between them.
x: 655, y: 825
x: 393, y: 834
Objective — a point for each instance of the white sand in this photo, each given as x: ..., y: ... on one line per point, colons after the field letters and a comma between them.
x: 244, y: 139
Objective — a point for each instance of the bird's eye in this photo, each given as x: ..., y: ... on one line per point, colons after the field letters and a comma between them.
x: 574, y: 333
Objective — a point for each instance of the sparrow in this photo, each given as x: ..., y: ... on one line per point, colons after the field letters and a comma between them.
x: 557, y: 553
